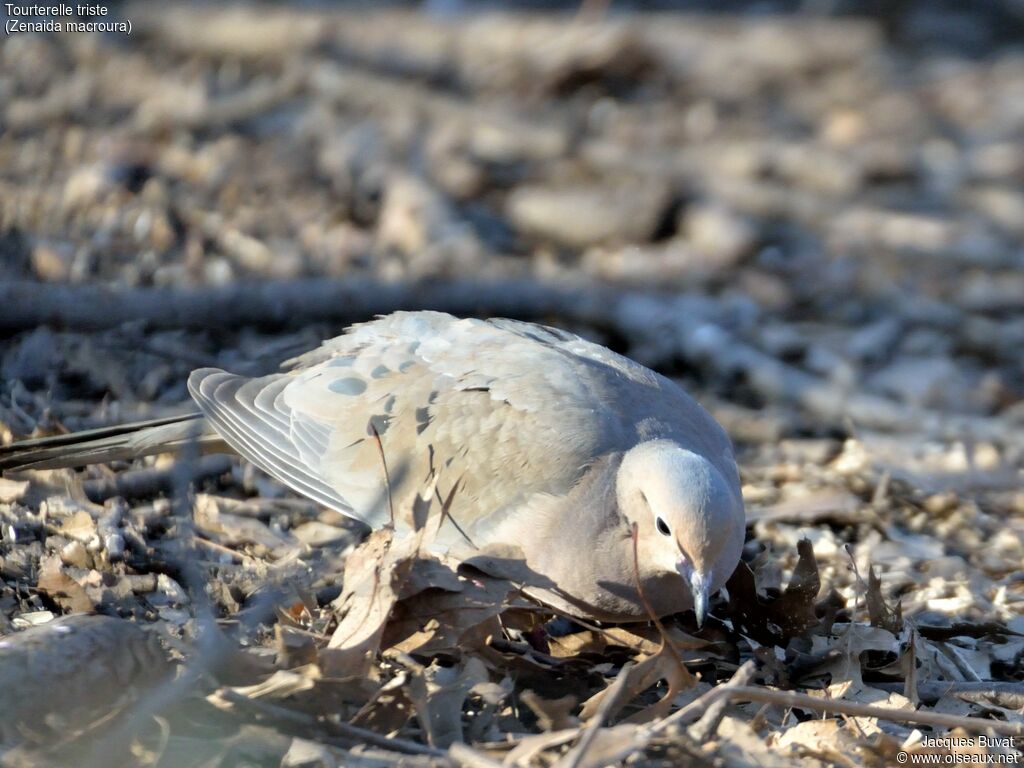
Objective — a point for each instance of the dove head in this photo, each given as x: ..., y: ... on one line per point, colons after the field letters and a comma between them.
x: 689, y: 517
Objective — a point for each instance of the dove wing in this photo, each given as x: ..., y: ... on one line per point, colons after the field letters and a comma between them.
x: 505, y: 409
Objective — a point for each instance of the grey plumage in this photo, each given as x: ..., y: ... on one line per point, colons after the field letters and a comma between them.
x: 533, y: 423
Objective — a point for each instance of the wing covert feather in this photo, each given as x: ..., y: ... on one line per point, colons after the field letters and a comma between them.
x: 511, y: 409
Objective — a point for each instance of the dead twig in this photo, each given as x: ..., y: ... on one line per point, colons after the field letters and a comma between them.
x: 838, y: 707
x: 610, y: 703
x: 705, y: 728
x: 1005, y: 694
x: 338, y: 729
x: 141, y: 483
x: 666, y: 641
x: 221, y: 549
x: 465, y: 756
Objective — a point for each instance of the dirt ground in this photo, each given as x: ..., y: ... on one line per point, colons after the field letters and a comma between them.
x: 813, y: 225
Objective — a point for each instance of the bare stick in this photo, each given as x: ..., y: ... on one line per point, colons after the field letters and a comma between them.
x: 466, y: 757
x: 138, y: 483
x: 278, y: 303
x: 706, y: 727
x: 839, y: 707
x: 344, y: 730
x: 665, y: 640
x: 1007, y: 694
x: 689, y: 326
x: 608, y: 704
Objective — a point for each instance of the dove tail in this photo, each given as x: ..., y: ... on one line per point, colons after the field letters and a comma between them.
x: 98, y: 446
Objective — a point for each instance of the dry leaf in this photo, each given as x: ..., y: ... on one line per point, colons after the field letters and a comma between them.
x: 775, y: 621
x: 80, y: 527
x: 389, y: 708
x: 68, y: 593
x: 367, y: 599
x: 452, y: 614
x: 663, y: 665
x: 438, y: 694
x: 826, y: 736
x: 881, y: 615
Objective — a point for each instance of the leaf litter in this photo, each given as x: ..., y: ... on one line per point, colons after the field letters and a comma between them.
x: 394, y: 655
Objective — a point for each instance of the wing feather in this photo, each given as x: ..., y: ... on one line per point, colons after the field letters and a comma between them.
x: 243, y: 426
x: 510, y: 409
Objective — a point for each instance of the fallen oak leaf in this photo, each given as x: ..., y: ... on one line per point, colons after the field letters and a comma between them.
x: 449, y: 615
x: 438, y: 694
x: 366, y: 600
x: 774, y: 622
x: 374, y: 574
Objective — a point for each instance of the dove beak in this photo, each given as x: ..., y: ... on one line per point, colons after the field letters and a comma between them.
x: 700, y: 588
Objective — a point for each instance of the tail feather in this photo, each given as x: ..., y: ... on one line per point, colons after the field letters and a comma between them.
x: 121, y: 442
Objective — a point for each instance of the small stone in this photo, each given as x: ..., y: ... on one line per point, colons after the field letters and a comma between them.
x: 85, y: 186
x: 75, y: 554
x: 584, y: 215
x: 52, y: 262
x: 722, y: 236
x: 940, y: 503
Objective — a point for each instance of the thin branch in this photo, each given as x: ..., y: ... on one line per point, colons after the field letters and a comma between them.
x: 336, y: 728
x: 609, y: 703
x: 706, y: 727
x: 666, y: 641
x: 387, y: 476
x: 141, y: 483
x: 1006, y: 694
x: 466, y: 757
x: 839, y: 707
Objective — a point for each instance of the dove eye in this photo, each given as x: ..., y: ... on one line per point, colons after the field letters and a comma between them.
x: 663, y: 527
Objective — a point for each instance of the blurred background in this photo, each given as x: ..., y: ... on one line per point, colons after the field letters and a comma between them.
x: 842, y: 178
x: 811, y: 213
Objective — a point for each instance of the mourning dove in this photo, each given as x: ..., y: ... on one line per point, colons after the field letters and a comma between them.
x: 558, y: 448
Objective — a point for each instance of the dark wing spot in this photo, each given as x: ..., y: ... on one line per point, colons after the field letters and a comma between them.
x: 422, y: 419
x: 348, y: 386
x: 378, y: 422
